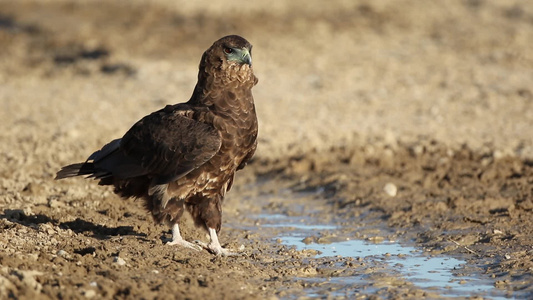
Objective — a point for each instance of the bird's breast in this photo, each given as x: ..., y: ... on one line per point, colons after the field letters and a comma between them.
x: 238, y: 137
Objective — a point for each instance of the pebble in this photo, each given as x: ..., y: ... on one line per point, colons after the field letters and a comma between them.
x: 55, y: 203
x: 27, y: 211
x: 89, y: 293
x: 119, y: 261
x: 308, y: 240
x: 62, y: 253
x: 309, y: 271
x: 418, y: 150
x: 376, y: 239
x: 390, y: 189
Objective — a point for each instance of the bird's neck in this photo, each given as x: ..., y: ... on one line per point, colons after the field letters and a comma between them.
x: 221, y: 100
x: 235, y: 85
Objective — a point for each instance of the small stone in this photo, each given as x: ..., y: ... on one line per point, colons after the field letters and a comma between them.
x: 62, y: 253
x: 376, y: 239
x: 500, y: 284
x: 507, y: 256
x: 390, y: 189
x: 27, y: 211
x: 55, y: 203
x: 418, y: 150
x: 119, y: 261
x: 89, y: 294
x: 309, y: 271
x: 498, y: 154
x: 496, y: 231
x: 450, y: 153
x: 308, y: 240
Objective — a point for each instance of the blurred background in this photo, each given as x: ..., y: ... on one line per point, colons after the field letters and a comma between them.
x: 75, y: 74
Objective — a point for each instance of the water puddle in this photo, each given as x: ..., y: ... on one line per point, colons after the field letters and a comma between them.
x: 434, y: 274
x: 424, y: 271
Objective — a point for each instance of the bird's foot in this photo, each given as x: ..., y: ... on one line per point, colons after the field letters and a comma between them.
x: 178, y: 240
x: 214, y: 245
x: 184, y: 243
x: 216, y: 249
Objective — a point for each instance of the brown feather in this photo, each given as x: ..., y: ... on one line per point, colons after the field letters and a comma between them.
x: 184, y: 156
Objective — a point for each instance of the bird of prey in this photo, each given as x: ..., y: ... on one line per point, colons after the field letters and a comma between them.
x: 184, y: 156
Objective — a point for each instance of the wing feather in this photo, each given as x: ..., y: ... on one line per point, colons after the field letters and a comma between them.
x: 164, y: 145
x: 169, y: 144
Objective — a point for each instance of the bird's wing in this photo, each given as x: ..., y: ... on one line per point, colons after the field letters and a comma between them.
x: 165, y: 145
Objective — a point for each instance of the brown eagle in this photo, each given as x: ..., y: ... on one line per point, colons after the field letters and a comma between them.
x: 184, y: 156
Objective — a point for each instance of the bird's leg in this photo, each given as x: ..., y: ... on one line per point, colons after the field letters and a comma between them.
x: 178, y: 240
x: 214, y: 245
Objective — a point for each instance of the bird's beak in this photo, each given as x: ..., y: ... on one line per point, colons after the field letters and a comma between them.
x: 246, y: 57
x: 240, y: 55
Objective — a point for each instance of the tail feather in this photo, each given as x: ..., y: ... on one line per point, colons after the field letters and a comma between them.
x: 79, y: 169
x: 108, y: 164
x: 136, y: 186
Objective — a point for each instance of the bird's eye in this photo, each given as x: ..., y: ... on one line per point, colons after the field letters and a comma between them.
x: 228, y: 50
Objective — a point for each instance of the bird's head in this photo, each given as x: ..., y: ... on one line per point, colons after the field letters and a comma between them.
x: 231, y: 52
x: 234, y: 49
x: 238, y: 55
x: 227, y: 64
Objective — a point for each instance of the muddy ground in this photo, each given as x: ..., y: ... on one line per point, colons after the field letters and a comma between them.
x: 432, y: 99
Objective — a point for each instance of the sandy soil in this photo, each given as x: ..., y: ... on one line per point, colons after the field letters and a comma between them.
x: 434, y: 98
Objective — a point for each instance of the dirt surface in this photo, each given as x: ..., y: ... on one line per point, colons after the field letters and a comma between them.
x: 391, y: 120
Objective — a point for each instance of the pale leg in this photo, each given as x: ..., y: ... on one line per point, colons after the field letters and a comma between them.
x: 214, y: 245
x: 178, y: 240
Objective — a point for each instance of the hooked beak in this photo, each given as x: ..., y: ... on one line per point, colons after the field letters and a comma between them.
x: 240, y: 55
x: 246, y: 57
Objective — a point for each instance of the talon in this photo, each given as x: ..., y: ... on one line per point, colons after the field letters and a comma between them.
x: 200, y: 244
x: 223, y: 252
x: 214, y: 246
x: 184, y: 243
x: 216, y: 250
x: 178, y: 240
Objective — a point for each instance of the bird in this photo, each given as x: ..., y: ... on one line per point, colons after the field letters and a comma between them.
x: 183, y: 157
